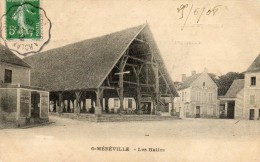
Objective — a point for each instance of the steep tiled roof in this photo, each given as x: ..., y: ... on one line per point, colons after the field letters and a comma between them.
x: 9, y: 57
x: 85, y: 64
x: 188, y: 81
x: 255, y: 66
x: 235, y: 88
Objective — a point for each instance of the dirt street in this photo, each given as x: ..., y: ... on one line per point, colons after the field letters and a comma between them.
x: 183, y: 140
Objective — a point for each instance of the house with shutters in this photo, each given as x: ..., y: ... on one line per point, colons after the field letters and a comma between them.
x: 20, y: 103
x: 197, y: 96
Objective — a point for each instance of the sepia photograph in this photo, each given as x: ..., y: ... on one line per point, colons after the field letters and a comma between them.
x: 130, y: 81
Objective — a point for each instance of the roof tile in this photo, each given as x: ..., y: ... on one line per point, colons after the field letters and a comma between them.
x: 255, y: 66
x: 9, y: 57
x: 85, y: 64
x: 235, y: 88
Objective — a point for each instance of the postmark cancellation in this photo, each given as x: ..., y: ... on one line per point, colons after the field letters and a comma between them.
x: 25, y: 27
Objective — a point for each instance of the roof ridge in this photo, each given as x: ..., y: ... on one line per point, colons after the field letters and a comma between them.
x: 189, y: 77
x: 189, y: 80
x: 89, y: 39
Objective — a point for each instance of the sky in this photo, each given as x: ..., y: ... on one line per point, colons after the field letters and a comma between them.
x: 227, y: 41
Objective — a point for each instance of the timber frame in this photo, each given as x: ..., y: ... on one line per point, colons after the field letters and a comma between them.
x: 136, y: 74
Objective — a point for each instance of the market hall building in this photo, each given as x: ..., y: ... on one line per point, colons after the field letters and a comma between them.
x: 20, y: 104
x: 121, y: 72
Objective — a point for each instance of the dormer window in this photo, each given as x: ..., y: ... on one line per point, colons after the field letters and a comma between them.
x: 253, y: 81
x: 8, y: 76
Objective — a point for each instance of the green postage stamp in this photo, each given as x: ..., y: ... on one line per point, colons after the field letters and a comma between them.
x: 23, y: 20
x: 25, y: 26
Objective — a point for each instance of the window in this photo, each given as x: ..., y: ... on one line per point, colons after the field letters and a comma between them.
x: 8, y: 76
x: 252, y: 99
x: 182, y: 96
x: 204, y: 84
x: 116, y: 102
x: 253, y: 81
x: 130, y: 103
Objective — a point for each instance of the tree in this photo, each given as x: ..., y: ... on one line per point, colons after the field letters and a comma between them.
x: 225, y: 81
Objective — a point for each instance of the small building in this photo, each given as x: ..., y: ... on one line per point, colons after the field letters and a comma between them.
x: 252, y: 91
x: 197, y: 96
x: 20, y: 104
x: 119, y: 72
x: 232, y: 104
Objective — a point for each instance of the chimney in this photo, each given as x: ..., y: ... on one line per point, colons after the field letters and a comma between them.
x: 193, y: 72
x: 183, y: 77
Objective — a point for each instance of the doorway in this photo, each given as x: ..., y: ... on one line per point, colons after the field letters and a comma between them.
x: 231, y: 110
x: 35, y: 105
x: 251, y: 114
x: 197, y: 112
x: 146, y: 107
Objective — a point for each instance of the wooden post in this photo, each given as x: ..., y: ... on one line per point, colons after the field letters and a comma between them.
x: 121, y: 82
x: 68, y: 106
x: 54, y: 106
x: 101, y: 100
x: 138, y: 90
x: 98, y: 107
x: 60, y: 108
x: 157, y: 90
x: 226, y: 108
x: 77, y: 108
x: 84, y: 101
x: 121, y: 90
x: 154, y: 104
x: 138, y: 87
x: 106, y: 104
x: 173, y: 111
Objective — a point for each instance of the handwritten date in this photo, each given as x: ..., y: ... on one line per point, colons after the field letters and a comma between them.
x: 198, y: 12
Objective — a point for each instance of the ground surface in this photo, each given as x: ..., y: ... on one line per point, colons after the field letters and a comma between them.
x: 183, y: 140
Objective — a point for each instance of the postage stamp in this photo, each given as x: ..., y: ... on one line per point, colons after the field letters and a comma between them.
x: 23, y: 20
x: 25, y: 27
